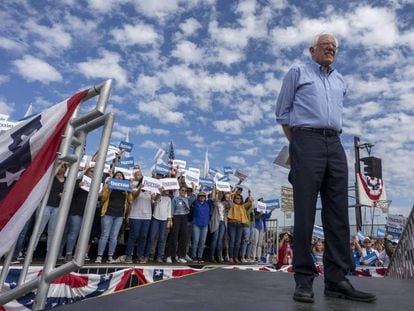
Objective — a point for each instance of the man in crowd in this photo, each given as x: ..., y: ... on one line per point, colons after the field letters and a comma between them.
x: 309, y: 108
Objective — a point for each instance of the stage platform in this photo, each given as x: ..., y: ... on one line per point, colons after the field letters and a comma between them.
x: 221, y: 289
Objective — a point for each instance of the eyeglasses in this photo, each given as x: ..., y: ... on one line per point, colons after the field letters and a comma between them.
x: 326, y: 44
x: 183, y: 189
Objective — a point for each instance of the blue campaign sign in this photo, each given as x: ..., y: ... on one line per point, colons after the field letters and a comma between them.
x: 126, y: 162
x: 162, y: 169
x: 124, y: 145
x: 318, y: 232
x: 119, y: 184
x: 212, y: 171
x: 272, y: 204
x: 380, y: 233
x: 228, y: 170
x: 206, y: 182
x: 224, y: 178
x: 394, y: 231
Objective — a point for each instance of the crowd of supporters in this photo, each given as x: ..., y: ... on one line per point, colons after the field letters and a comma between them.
x: 182, y: 225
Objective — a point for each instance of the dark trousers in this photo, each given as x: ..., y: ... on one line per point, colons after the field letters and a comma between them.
x: 178, y: 236
x: 319, y: 165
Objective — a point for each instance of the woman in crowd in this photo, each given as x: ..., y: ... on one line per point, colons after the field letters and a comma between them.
x: 218, y: 223
x: 160, y: 222
x: 356, y: 255
x: 77, y: 209
x: 258, y: 232
x: 317, y: 253
x: 285, y: 250
x: 201, y: 218
x: 114, y: 204
x: 50, y: 214
x: 237, y: 218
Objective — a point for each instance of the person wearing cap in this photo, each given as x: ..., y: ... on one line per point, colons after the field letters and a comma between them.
x: 201, y: 218
x: 369, y: 255
x: 309, y: 109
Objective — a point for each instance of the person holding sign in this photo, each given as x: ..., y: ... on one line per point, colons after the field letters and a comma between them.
x: 237, y: 218
x: 114, y: 205
x: 309, y: 109
x: 77, y: 208
x: 260, y: 215
x: 201, y: 218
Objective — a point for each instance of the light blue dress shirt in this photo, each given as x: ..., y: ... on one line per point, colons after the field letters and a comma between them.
x: 310, y: 97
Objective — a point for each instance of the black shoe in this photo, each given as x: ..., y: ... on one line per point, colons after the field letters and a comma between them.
x: 345, y: 290
x: 303, y: 293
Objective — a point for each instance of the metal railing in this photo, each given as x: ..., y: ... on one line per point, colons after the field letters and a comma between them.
x: 71, y: 150
x: 402, y: 261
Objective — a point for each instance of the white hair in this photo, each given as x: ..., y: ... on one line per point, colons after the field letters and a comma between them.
x: 315, y: 39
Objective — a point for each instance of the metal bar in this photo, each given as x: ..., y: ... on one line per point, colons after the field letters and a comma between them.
x: 6, y: 266
x: 358, y: 216
x: 90, y: 206
x: 18, y: 291
x: 31, y: 247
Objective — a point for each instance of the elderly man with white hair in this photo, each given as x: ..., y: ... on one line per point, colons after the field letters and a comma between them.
x: 309, y: 108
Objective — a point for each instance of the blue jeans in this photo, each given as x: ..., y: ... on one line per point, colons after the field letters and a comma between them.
x: 199, y: 239
x: 110, y: 226
x: 235, y: 236
x: 138, y: 231
x: 217, y: 240
x: 49, y: 218
x: 75, y: 222
x: 22, y: 238
x: 160, y: 227
x: 247, y: 241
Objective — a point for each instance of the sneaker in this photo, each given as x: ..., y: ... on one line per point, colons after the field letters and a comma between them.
x: 188, y: 258
x: 220, y: 259
x: 128, y: 259
x: 87, y: 257
x: 236, y: 260
x: 159, y: 260
x: 61, y: 258
x: 231, y: 260
x: 68, y: 257
x: 244, y: 260
x: 98, y: 259
x: 182, y: 260
x: 200, y: 260
x: 168, y: 260
x: 143, y: 260
x: 15, y: 261
x: 111, y: 260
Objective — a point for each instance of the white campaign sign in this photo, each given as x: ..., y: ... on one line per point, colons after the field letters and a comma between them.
x: 127, y: 172
x: 87, y: 183
x: 180, y: 164
x: 170, y: 183
x: 223, y: 186
x: 261, y: 207
x: 151, y: 184
x: 192, y: 177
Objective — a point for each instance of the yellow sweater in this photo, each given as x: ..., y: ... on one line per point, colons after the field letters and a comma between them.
x: 237, y: 212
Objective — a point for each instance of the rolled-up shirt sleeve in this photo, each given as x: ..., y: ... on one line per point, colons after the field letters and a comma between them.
x: 286, y: 96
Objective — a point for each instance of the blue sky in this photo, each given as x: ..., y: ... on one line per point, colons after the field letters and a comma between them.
x: 206, y: 74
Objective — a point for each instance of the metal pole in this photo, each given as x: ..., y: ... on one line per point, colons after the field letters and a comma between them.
x: 358, y: 216
x: 6, y: 266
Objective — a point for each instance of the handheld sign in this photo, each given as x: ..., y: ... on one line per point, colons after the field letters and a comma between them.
x: 84, y: 161
x: 180, y: 164
x: 261, y: 207
x: 126, y: 162
x: 206, y: 182
x: 192, y: 177
x: 228, y: 170
x: 195, y: 170
x: 162, y: 169
x: 151, y: 184
x: 318, y: 232
x: 118, y: 184
x: 224, y: 178
x: 127, y: 172
x: 87, y: 183
x: 240, y: 175
x: 126, y: 146
x: 282, y: 159
x: 160, y: 153
x: 170, y: 183
x: 223, y: 186
x: 272, y: 204
x: 212, y: 172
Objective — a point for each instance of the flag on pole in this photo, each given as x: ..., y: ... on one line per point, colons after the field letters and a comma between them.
x: 170, y: 153
x: 27, y: 154
x: 29, y: 111
x: 206, y: 164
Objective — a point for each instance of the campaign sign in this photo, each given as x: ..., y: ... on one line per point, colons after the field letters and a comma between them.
x: 195, y: 170
x: 272, y: 204
x: 107, y: 167
x: 110, y: 155
x: 318, y: 232
x: 370, y: 259
x: 380, y: 233
x: 127, y: 172
x: 224, y: 178
x: 162, y: 169
x: 206, y: 183
x: 126, y: 162
x: 118, y: 184
x: 228, y: 170
x: 394, y: 231
x: 360, y: 236
x: 261, y: 207
x: 84, y: 161
x: 87, y: 183
x: 151, y: 184
x: 180, y: 164
x: 170, y: 183
x: 223, y: 186
x: 124, y: 145
x: 191, y: 177
x: 240, y: 175
x: 396, y: 221
x: 212, y: 172
x: 160, y: 153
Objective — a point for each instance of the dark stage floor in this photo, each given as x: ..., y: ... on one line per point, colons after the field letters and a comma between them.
x: 221, y: 289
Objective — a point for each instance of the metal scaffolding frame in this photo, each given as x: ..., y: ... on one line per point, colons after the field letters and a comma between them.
x: 70, y: 151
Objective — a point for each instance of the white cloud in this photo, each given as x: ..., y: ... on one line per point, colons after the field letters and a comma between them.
x: 228, y: 56
x: 159, y: 9
x: 4, y: 79
x: 236, y: 160
x: 233, y: 127
x: 188, y: 52
x: 5, y: 108
x: 35, y: 69
x: 105, y: 67
x: 147, y: 130
x: 139, y: 34
x: 250, y: 151
x: 104, y: 6
x: 183, y: 152
x: 149, y: 144
x: 194, y: 138
x: 9, y: 44
x: 147, y: 85
x: 190, y: 26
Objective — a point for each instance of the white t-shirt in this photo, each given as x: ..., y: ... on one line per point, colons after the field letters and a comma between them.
x: 162, y: 210
x: 141, y: 206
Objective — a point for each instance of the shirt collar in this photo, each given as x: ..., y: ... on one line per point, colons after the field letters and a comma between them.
x: 319, y: 68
